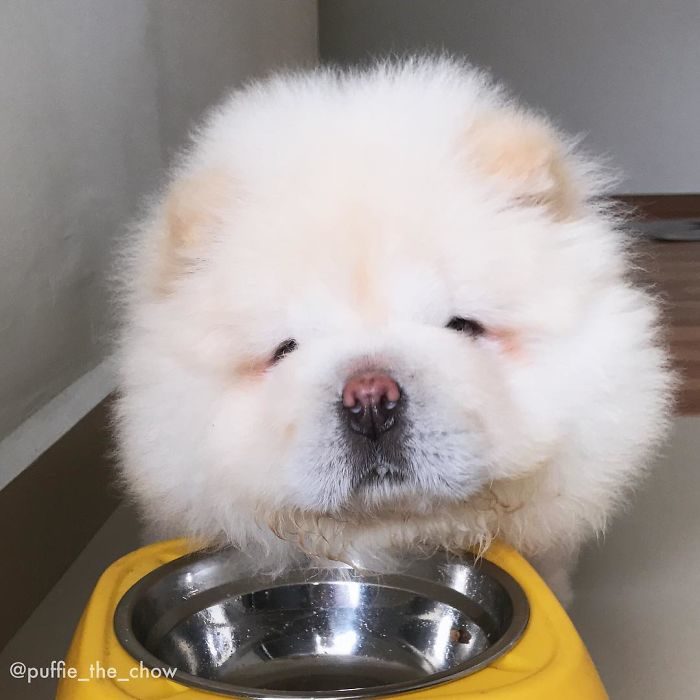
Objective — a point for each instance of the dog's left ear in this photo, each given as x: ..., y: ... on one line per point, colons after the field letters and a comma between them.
x: 526, y: 157
x: 191, y: 215
x: 193, y: 205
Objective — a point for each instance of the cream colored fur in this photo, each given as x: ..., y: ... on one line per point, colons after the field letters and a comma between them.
x: 357, y: 213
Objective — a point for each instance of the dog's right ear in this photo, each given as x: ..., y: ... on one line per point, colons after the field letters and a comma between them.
x: 526, y: 158
x: 191, y: 214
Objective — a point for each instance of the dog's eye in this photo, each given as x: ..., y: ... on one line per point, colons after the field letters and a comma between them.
x: 466, y: 325
x: 284, y: 349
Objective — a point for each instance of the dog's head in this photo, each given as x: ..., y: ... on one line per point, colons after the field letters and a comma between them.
x: 371, y: 296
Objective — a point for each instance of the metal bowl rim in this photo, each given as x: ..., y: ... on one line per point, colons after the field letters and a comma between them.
x: 519, y: 620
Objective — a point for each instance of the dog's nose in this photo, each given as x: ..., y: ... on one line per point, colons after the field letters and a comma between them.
x: 371, y: 400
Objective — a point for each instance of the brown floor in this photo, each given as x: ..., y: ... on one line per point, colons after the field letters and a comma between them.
x: 674, y: 270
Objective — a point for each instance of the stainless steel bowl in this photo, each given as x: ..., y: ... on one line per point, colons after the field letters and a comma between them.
x: 326, y: 633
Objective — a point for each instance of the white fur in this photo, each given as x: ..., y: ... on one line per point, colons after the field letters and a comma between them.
x: 337, y: 175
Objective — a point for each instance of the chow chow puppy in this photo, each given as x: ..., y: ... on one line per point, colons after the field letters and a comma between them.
x: 378, y: 310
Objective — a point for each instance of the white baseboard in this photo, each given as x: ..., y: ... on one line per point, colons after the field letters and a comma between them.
x: 24, y: 444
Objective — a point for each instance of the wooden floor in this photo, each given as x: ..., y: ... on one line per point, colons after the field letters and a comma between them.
x: 674, y: 270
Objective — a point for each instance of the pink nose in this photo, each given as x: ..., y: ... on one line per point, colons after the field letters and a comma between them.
x: 370, y: 388
x: 371, y: 403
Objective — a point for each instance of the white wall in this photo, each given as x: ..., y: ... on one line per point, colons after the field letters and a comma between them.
x: 627, y: 72
x: 94, y: 96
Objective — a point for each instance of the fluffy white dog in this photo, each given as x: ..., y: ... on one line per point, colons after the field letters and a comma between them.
x: 384, y: 309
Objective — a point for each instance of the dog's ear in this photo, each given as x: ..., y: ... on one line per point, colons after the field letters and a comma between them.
x: 526, y: 157
x: 191, y: 213
x: 193, y: 207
